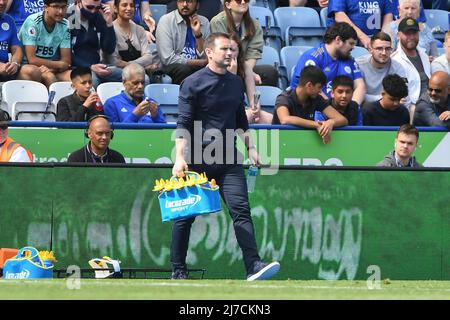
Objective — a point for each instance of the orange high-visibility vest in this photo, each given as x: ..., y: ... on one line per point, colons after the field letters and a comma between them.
x: 8, y: 149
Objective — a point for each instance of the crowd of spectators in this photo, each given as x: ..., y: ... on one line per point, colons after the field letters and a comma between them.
x: 65, y: 40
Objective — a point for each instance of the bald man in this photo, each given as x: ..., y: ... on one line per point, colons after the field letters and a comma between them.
x: 433, y: 108
x: 97, y: 150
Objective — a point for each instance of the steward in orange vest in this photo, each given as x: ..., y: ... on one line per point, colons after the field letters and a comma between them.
x: 8, y: 149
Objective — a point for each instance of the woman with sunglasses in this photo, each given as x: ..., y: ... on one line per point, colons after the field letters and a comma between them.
x: 236, y: 20
x: 132, y: 44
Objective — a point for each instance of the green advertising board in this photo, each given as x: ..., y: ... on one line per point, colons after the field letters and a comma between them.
x: 320, y: 224
x: 277, y: 147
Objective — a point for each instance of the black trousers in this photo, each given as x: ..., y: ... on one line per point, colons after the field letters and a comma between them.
x: 233, y: 189
x: 178, y: 72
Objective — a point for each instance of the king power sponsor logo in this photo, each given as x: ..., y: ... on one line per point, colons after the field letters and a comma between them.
x: 184, y: 204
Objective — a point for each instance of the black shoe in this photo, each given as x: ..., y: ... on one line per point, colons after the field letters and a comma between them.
x: 263, y: 270
x: 179, y: 274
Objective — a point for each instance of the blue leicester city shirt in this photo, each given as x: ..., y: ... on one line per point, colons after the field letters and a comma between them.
x: 319, y: 57
x: 367, y: 15
x: 8, y: 36
x: 21, y: 9
x: 189, y: 50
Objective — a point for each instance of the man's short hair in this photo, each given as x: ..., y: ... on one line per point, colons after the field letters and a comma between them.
x: 210, y: 40
x: 395, y: 86
x: 408, y: 129
x: 341, y: 29
x: 49, y: 2
x: 343, y: 81
x: 79, y: 72
x: 131, y: 69
x: 312, y: 74
x: 383, y: 36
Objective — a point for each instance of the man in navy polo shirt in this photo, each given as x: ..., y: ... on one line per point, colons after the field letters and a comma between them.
x: 10, y: 43
x: 334, y: 58
x: 367, y: 17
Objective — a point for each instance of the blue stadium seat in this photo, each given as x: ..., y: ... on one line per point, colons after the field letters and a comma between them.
x: 268, y: 97
x: 438, y: 21
x: 359, y: 51
x: 289, y: 17
x: 439, y: 18
x: 289, y: 57
x: 269, y: 56
x: 167, y: 97
x: 270, y: 4
x: 324, y: 16
x: 158, y: 10
x: 305, y: 36
x: 271, y: 33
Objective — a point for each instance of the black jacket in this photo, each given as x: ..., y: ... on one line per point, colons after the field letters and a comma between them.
x: 85, y: 155
x: 71, y: 108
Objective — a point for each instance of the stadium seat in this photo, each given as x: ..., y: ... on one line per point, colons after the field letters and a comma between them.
x: 167, y: 97
x: 290, y: 17
x: 61, y: 89
x: 437, y: 18
x: 27, y: 101
x: 269, y: 56
x: 271, y: 33
x: 441, y: 51
x: 268, y: 97
x: 359, y: 51
x: 324, y: 16
x: 438, y: 21
x: 158, y: 10
x: 107, y: 90
x: 289, y: 57
x: 270, y: 4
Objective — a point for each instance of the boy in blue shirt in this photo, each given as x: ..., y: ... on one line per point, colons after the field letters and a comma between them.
x: 10, y: 43
x: 334, y: 58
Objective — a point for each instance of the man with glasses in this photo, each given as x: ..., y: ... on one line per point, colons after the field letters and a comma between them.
x: 433, y: 108
x: 377, y: 65
x: 11, y: 151
x: 131, y: 105
x: 46, y: 39
x: 180, y: 36
x: 92, y: 32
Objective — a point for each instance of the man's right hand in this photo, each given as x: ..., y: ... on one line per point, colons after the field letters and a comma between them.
x: 101, y: 70
x: 142, y: 108
x: 179, y: 168
x: 93, y: 97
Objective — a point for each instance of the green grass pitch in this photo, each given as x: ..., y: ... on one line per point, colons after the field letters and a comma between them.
x: 140, y: 289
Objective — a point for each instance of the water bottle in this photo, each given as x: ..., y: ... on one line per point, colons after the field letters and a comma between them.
x: 251, y: 178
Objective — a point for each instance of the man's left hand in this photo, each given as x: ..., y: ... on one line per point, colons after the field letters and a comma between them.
x: 254, y: 156
x: 107, y: 14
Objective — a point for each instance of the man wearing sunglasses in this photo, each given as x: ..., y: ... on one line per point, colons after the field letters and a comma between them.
x: 11, y: 151
x: 92, y: 31
x: 433, y: 108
